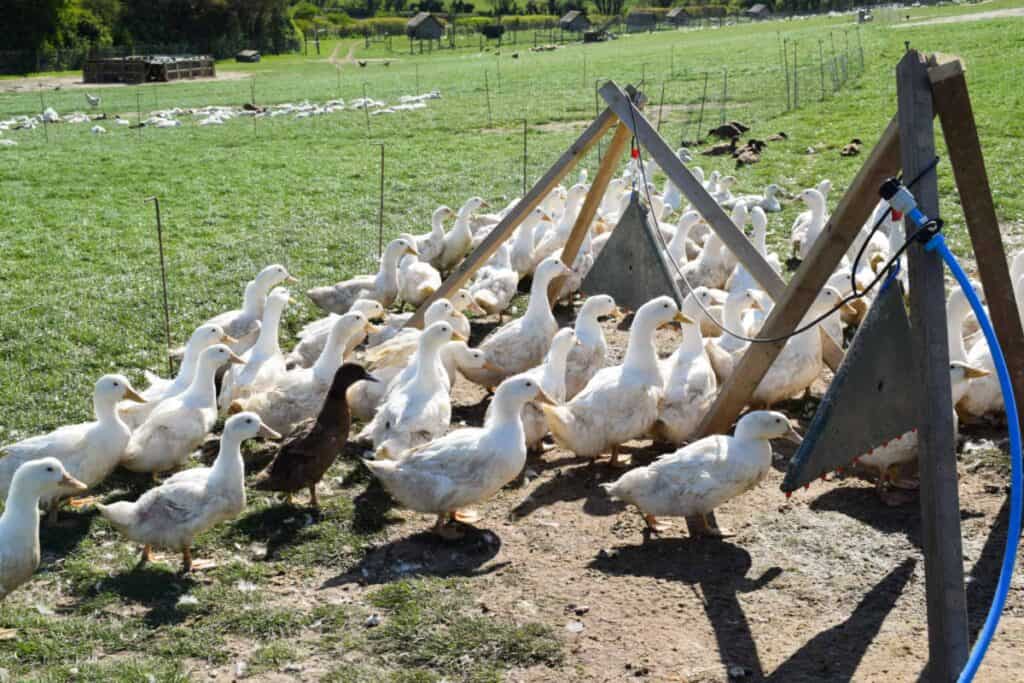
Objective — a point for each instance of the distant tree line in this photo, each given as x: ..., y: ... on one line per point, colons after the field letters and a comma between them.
x: 219, y: 27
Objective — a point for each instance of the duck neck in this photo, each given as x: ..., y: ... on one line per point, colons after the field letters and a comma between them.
x: 229, y: 468
x: 641, y: 356
x: 203, y: 388
x: 588, y: 330
x: 428, y: 367
x: 106, y: 413
x: 331, y: 357
x: 956, y: 313
x: 693, y: 343
x: 389, y: 270
x: 552, y: 377
x: 334, y: 411
x: 267, y: 343
x: 505, y: 421
x: 254, y: 300
x: 21, y: 512
x: 677, y: 247
x: 539, y: 307
x: 437, y: 225
x: 732, y: 314
x: 187, y: 371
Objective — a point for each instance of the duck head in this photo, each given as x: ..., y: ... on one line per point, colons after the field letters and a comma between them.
x: 824, y: 187
x: 218, y: 354
x: 247, y: 425
x: 516, y: 392
x: 472, y: 204
x: 208, y: 335
x: 462, y: 300
x: 274, y: 275
x: 110, y: 389
x: 438, y: 311
x: 397, y: 248
x: 549, y: 269
x: 441, y: 213
x: 960, y: 376
x: 599, y: 305
x: 373, y: 310
x: 44, y: 476
x: 658, y: 312
x: 767, y: 425
x: 439, y: 334
x: 278, y: 298
x: 347, y: 375
x: 814, y: 199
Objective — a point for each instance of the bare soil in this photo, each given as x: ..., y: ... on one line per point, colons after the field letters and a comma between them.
x: 826, y: 586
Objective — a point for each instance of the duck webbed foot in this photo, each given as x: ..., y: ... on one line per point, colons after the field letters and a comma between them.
x: 617, y: 461
x: 445, y: 530
x: 469, y: 516
x: 706, y: 525
x: 655, y: 525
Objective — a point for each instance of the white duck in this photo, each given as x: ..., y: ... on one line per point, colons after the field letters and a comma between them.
x: 521, y: 256
x: 431, y: 245
x: 420, y: 409
x: 314, y: 335
x: 690, y: 390
x: 888, y: 456
x: 264, y: 363
x: 521, y: 344
x: 89, y: 451
x: 171, y: 515
x: 300, y: 394
x: 382, y: 287
x: 397, y: 351
x: 588, y: 355
x: 710, y: 269
x: 741, y: 277
x: 244, y: 324
x: 620, y: 403
x: 466, y: 466
x: 726, y: 350
x: 767, y: 202
x: 698, y: 478
x: 134, y: 413
x: 800, y: 362
x: 681, y: 248
x: 364, y: 398
x: 550, y: 375
x: 19, y: 524
x: 556, y: 239
x: 459, y: 240
x: 417, y: 280
x: 178, y: 425
x: 496, y: 283
x: 805, y: 232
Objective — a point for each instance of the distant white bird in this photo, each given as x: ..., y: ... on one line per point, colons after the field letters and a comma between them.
x: 98, y: 130
x: 93, y: 100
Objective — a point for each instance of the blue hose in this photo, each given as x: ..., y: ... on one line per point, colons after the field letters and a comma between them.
x: 937, y: 243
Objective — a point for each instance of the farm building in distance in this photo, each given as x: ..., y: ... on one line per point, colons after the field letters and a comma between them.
x: 247, y: 56
x: 147, y: 68
x: 574, y: 21
x: 677, y: 16
x: 425, y: 26
x: 758, y: 11
x: 641, y: 21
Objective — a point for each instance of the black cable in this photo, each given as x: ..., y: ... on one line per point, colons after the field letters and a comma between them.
x: 853, y: 296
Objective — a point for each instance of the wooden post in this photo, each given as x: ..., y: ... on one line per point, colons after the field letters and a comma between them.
x: 501, y: 232
x: 681, y: 177
x: 940, y: 503
x: 593, y: 200
x: 953, y: 104
x: 844, y: 224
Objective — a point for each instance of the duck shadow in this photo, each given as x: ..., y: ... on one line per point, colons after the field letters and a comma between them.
x: 61, y: 539
x: 155, y: 588
x: 372, y: 506
x: 861, y: 503
x: 471, y: 414
x: 425, y: 554
x: 580, y: 482
x: 278, y: 526
x: 720, y: 570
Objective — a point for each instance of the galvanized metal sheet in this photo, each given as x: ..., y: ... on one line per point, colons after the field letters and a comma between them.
x: 872, y: 399
x: 632, y: 267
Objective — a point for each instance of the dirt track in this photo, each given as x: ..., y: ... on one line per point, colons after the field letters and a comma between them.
x: 960, y: 18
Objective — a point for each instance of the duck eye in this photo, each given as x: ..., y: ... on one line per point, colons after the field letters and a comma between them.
x: 116, y: 384
x: 49, y: 469
x: 248, y: 422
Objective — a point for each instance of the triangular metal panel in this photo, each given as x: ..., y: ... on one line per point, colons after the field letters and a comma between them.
x: 633, y: 267
x: 872, y: 399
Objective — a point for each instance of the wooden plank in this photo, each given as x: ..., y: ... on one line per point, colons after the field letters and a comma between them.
x: 501, y: 232
x: 953, y: 104
x: 940, y: 505
x: 722, y: 224
x: 593, y: 200
x: 845, y: 223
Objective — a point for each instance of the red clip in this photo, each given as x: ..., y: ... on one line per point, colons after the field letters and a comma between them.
x: 635, y: 152
x: 897, y: 215
x: 788, y: 494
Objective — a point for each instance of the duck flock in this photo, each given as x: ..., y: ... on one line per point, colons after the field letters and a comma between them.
x: 549, y: 384
x: 213, y: 115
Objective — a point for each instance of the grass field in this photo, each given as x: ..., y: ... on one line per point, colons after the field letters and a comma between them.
x: 81, y: 292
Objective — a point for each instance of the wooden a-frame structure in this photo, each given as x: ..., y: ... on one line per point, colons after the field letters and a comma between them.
x: 925, y: 88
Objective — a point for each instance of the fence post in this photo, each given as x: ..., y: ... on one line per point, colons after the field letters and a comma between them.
x: 380, y: 208
x: 703, y: 99
x: 860, y: 47
x: 725, y: 90
x: 785, y: 71
x: 796, y: 80
x: 821, y: 62
x: 487, y: 94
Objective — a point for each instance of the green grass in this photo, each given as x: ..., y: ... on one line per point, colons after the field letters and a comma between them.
x: 80, y: 297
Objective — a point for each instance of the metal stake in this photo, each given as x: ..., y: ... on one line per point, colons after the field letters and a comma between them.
x: 524, y: 157
x: 725, y: 90
x: 661, y: 105
x: 366, y: 109
x: 487, y: 94
x: 42, y: 113
x: 380, y: 208
x: 163, y: 281
x: 703, y: 99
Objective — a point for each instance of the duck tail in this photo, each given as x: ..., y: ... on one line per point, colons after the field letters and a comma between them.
x: 121, y: 515
x: 486, y: 300
x: 322, y: 297
x: 560, y: 422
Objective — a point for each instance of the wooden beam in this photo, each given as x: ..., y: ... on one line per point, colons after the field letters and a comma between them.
x: 593, y: 200
x: 940, y: 504
x: 722, y: 224
x: 826, y: 253
x: 953, y: 103
x: 501, y: 232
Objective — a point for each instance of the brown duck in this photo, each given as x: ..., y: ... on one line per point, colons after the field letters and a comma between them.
x: 310, y: 450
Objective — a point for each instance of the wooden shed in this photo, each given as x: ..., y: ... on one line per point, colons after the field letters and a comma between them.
x: 247, y: 56
x: 678, y: 16
x: 758, y: 11
x: 641, y: 21
x: 146, y: 69
x: 574, y: 21
x: 425, y: 26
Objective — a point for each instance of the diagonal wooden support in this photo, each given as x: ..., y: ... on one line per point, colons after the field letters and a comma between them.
x: 845, y: 223
x: 722, y: 224
x: 940, y: 505
x: 593, y: 200
x: 953, y: 104
x: 501, y: 232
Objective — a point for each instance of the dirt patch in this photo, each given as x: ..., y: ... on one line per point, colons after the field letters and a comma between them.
x: 826, y: 586
x: 36, y: 83
x: 961, y: 18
